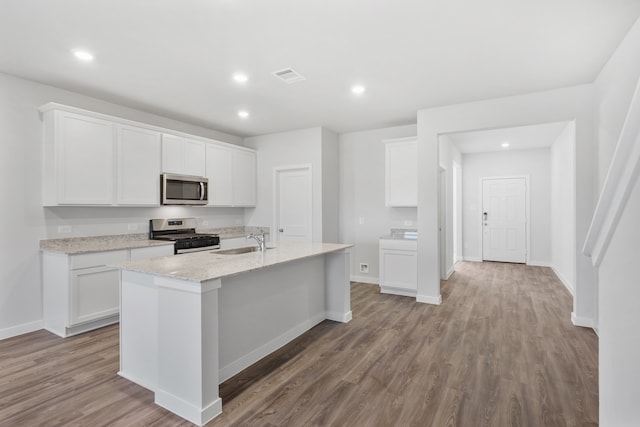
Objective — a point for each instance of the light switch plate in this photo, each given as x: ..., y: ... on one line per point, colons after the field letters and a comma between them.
x: 64, y: 229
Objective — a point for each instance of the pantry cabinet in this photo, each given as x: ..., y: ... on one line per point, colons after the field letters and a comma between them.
x: 401, y: 172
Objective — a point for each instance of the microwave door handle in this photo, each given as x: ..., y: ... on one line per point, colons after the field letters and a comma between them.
x: 202, y: 191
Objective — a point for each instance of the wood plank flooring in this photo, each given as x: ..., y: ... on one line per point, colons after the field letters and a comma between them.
x: 499, y: 351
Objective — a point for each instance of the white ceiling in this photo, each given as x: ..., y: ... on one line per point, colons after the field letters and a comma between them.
x: 176, y: 58
x: 519, y: 138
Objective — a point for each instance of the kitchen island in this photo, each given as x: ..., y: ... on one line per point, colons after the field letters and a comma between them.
x: 190, y: 322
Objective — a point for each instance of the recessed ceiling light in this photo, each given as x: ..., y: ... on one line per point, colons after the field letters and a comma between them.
x: 83, y: 55
x: 358, y: 89
x: 243, y: 114
x: 505, y: 145
x: 240, y: 77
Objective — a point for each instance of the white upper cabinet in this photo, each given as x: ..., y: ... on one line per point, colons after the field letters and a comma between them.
x: 219, y: 173
x: 79, y: 160
x: 401, y: 172
x: 232, y: 176
x: 138, y: 166
x: 182, y: 155
x: 91, y: 159
x: 244, y: 178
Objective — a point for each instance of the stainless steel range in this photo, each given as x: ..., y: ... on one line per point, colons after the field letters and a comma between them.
x: 182, y: 231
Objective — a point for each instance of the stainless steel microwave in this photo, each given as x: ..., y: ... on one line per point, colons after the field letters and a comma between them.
x: 183, y: 190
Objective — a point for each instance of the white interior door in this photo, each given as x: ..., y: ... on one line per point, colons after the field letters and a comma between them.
x: 504, y: 219
x: 293, y: 204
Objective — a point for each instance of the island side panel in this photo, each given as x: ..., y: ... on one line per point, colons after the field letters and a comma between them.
x: 139, y: 329
x: 337, y: 276
x: 188, y: 349
x: 262, y: 310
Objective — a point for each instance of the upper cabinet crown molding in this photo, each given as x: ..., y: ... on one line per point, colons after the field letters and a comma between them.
x: 401, y: 172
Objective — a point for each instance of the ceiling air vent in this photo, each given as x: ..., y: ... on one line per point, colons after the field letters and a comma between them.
x: 289, y: 75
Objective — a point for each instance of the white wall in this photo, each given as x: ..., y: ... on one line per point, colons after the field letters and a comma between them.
x: 574, y: 103
x: 532, y: 163
x: 618, y: 324
x: 24, y: 222
x: 563, y: 249
x: 330, y: 186
x: 619, y: 270
x: 449, y: 153
x: 292, y: 148
x: 615, y: 86
x: 364, y: 216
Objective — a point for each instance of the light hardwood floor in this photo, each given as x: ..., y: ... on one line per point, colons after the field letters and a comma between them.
x: 499, y: 351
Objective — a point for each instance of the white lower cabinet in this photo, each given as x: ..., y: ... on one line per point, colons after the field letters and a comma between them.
x: 399, y: 267
x: 81, y: 292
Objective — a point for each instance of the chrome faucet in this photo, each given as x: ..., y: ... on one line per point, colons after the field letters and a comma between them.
x: 262, y: 246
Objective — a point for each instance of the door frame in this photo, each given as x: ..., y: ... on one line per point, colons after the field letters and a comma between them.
x: 276, y: 193
x: 527, y: 212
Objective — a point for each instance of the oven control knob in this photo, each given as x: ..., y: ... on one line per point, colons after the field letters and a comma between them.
x: 187, y: 244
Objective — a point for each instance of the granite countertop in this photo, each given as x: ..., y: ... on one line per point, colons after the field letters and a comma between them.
x: 80, y: 245
x: 402, y: 234
x: 233, y: 232
x: 206, y: 265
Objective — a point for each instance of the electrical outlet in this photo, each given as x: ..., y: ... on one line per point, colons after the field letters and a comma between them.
x: 64, y: 229
x: 364, y: 267
x: 361, y: 220
x: 205, y: 223
x: 132, y: 227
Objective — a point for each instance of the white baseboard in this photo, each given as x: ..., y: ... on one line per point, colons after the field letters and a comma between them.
x: 472, y: 259
x: 427, y: 299
x: 249, y: 359
x: 540, y: 263
x: 365, y: 279
x: 398, y: 291
x: 25, y: 328
x: 340, y: 317
x: 563, y: 279
x: 581, y: 321
x: 450, y: 272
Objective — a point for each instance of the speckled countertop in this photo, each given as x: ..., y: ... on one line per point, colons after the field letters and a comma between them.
x: 80, y: 245
x: 402, y: 234
x: 233, y: 232
x: 207, y: 265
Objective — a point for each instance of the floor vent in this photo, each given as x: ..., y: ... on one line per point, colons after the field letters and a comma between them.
x: 289, y: 75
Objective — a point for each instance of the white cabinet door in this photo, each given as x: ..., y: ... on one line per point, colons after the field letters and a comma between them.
x: 219, y: 173
x: 85, y: 158
x: 194, y: 157
x: 399, y: 267
x: 172, y: 154
x: 182, y: 156
x: 94, y: 293
x: 244, y: 178
x: 401, y: 172
x: 139, y: 159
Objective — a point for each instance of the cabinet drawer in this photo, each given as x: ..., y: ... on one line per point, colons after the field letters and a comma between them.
x: 97, y: 259
x: 399, y: 244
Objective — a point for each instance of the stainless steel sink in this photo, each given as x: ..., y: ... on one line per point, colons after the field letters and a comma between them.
x: 237, y: 251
